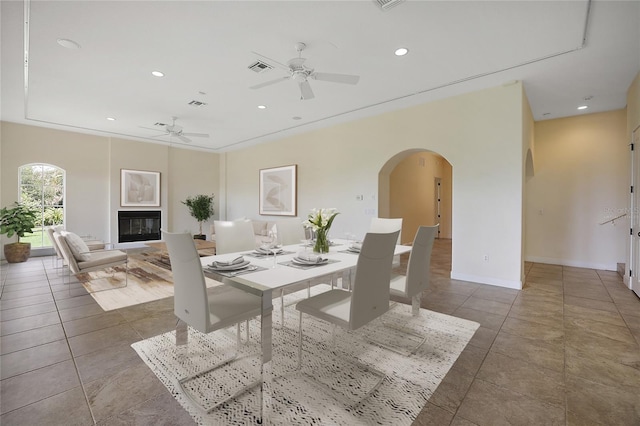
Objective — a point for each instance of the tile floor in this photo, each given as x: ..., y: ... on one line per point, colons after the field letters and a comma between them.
x: 564, y: 350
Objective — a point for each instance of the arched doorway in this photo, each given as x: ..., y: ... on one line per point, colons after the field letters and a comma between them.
x: 417, y: 186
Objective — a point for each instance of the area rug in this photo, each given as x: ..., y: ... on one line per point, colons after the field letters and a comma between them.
x: 301, y: 396
x: 148, y: 279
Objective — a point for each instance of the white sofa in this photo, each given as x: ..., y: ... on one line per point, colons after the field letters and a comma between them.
x: 261, y: 228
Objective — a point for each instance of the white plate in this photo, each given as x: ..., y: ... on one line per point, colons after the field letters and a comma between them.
x: 308, y: 262
x: 233, y: 267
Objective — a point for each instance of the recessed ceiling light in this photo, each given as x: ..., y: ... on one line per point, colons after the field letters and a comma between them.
x: 401, y: 51
x: 111, y: 119
x: 69, y: 44
x: 157, y: 73
x: 262, y: 107
x: 583, y: 107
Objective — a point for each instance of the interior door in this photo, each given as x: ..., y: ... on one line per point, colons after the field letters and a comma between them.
x: 438, y: 198
x: 634, y: 266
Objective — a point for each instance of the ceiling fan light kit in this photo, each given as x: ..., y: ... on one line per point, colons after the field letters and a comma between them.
x: 300, y: 73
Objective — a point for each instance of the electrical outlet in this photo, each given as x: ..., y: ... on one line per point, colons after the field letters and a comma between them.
x: 486, y: 257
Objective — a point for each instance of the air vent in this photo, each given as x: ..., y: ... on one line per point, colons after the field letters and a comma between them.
x: 159, y: 124
x: 387, y: 4
x: 197, y: 103
x: 259, y: 66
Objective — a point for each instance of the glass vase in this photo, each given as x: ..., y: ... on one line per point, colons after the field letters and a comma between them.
x: 322, y: 242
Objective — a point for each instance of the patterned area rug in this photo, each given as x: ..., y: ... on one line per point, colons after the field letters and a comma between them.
x: 149, y: 278
x: 298, y: 399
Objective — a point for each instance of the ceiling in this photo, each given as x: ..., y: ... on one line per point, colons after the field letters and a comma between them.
x: 205, y: 48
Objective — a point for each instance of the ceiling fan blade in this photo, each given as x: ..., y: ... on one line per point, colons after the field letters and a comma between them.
x: 335, y: 78
x: 159, y: 136
x: 197, y: 135
x: 269, y: 83
x: 272, y: 61
x: 157, y: 129
x: 305, y: 90
x: 183, y: 138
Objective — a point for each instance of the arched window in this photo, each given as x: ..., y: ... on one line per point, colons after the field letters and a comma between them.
x: 42, y: 187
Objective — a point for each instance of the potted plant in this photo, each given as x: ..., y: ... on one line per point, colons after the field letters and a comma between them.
x: 20, y: 220
x: 201, y: 208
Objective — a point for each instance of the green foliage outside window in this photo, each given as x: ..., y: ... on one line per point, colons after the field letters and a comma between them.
x: 42, y: 189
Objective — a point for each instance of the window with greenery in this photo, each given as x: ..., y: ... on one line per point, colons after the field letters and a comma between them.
x: 42, y: 187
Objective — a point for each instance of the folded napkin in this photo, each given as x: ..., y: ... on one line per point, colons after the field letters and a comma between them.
x: 356, y: 245
x: 236, y: 261
x: 309, y: 257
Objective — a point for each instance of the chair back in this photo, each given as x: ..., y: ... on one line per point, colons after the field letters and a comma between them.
x: 290, y: 231
x: 382, y: 225
x: 370, y: 296
x: 420, y: 260
x: 54, y: 243
x: 66, y: 253
x: 233, y: 236
x: 190, y: 303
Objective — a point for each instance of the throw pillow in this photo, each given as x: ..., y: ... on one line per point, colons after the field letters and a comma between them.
x: 77, y: 245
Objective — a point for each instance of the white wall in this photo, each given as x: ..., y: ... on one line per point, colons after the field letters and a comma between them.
x: 480, y: 134
x: 581, y: 179
x: 85, y: 161
x: 92, y: 165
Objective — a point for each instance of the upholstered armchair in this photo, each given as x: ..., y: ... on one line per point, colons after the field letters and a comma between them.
x: 79, y: 258
x: 92, y: 244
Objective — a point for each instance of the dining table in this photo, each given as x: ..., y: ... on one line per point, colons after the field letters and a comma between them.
x: 270, y: 279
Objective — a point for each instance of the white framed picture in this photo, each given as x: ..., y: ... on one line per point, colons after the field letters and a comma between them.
x: 278, y: 191
x: 139, y: 188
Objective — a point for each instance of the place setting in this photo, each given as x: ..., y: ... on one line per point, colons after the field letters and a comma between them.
x: 231, y: 268
x: 353, y: 246
x: 266, y: 251
x: 308, y: 260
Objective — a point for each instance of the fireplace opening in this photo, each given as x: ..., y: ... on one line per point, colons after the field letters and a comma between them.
x: 138, y: 225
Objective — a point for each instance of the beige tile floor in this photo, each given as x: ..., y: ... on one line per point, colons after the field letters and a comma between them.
x: 564, y: 350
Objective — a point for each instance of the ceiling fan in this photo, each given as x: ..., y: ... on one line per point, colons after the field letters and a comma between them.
x: 173, y: 130
x: 300, y: 73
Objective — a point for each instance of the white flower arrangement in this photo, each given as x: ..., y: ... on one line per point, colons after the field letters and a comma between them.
x: 320, y: 219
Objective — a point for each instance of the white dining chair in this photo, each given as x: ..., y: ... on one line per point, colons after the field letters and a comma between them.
x: 381, y: 224
x: 196, y: 307
x: 413, y: 284
x: 234, y: 236
x: 368, y: 300
x: 290, y: 231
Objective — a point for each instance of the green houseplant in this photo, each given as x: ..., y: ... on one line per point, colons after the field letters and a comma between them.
x: 201, y: 208
x: 18, y: 219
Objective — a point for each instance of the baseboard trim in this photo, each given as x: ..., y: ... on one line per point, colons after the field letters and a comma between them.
x: 517, y: 285
x: 573, y: 263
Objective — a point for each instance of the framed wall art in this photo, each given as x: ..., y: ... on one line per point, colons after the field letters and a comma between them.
x: 278, y: 191
x: 139, y: 188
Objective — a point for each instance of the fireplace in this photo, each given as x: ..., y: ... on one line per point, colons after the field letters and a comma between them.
x: 140, y: 225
